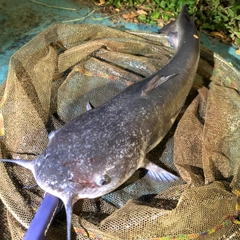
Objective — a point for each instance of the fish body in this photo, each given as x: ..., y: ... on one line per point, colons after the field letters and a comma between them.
x: 96, y: 152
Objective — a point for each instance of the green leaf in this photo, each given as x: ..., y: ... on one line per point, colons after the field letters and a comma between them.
x: 148, y: 6
x: 224, y: 17
x: 207, y: 26
x: 155, y: 15
x: 237, y: 17
x: 238, y: 41
x: 216, y: 3
x: 172, y: 6
x: 238, y: 34
x: 117, y: 3
x: 153, y: 22
x: 163, y: 4
x: 142, y: 18
x: 231, y: 13
x: 165, y: 18
x: 220, y: 8
x: 218, y: 19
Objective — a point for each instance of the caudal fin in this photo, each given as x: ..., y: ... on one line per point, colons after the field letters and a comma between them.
x: 174, y: 28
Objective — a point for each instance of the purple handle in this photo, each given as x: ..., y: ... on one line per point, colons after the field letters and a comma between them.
x: 42, y: 218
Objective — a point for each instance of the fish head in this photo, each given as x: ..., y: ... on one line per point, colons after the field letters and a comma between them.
x: 77, y: 177
x: 77, y: 171
x: 71, y: 175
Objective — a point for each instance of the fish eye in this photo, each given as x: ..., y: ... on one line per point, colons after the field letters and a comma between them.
x: 102, y: 180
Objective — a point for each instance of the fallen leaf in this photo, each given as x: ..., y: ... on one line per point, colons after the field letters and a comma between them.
x: 238, y: 51
x: 141, y: 12
x: 218, y: 34
x: 160, y: 22
x: 101, y: 3
x: 142, y: 7
x: 129, y: 15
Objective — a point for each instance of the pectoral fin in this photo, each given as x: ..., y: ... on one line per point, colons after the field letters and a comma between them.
x: 89, y: 106
x: 159, y: 174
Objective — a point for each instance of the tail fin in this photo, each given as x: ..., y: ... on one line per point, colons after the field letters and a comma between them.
x: 172, y: 29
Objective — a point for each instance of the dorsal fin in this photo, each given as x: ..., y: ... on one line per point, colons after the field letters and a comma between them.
x: 155, y: 82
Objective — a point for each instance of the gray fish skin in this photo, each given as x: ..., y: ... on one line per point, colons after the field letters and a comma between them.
x: 96, y: 152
